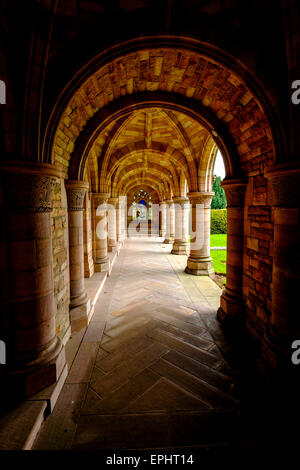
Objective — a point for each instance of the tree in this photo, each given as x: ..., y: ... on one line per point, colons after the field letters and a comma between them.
x: 219, y: 199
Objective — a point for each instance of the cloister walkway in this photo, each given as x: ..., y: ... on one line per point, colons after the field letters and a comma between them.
x: 151, y: 369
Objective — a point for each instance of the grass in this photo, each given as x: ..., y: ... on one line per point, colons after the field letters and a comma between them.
x: 218, y: 256
x: 219, y: 260
x: 219, y: 239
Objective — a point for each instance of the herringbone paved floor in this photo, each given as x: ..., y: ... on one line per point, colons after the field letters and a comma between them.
x: 158, y: 378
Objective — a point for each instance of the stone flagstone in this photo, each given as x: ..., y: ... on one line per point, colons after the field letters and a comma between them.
x: 153, y: 349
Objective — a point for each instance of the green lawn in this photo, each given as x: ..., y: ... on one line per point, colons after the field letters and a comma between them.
x: 219, y: 260
x: 218, y: 239
x: 218, y: 256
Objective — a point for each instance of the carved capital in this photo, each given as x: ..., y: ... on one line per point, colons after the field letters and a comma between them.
x: 114, y: 201
x: 75, y: 194
x: 28, y: 187
x: 28, y: 193
x: 182, y: 201
x: 99, y: 198
x: 285, y: 184
x: 235, y: 192
x: 201, y: 198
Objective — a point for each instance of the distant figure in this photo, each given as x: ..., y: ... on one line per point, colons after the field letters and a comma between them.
x: 2, y: 92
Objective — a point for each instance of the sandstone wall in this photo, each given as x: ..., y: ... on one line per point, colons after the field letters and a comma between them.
x: 60, y: 242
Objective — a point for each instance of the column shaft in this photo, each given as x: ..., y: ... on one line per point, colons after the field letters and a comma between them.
x: 35, y: 355
x: 231, y: 302
x: 181, y: 242
x: 170, y: 222
x: 79, y: 301
x: 284, y: 323
x: 199, y: 261
x: 163, y: 219
x: 112, y: 224
x: 99, y: 209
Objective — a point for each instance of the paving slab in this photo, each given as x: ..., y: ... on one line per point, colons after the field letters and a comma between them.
x: 150, y: 363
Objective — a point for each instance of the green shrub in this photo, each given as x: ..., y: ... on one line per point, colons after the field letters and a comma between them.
x: 218, y: 221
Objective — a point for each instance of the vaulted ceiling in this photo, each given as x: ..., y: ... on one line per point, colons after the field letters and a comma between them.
x: 153, y: 147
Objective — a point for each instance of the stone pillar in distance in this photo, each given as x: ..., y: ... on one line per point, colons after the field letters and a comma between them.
x: 199, y: 261
x: 181, y: 242
x: 231, y: 302
x: 284, y: 321
x: 99, y: 214
x: 35, y: 355
x: 80, y: 304
x: 163, y: 219
x: 170, y: 219
x: 119, y: 222
x: 112, y: 224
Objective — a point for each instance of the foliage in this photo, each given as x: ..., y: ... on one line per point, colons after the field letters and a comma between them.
x: 218, y: 221
x: 219, y: 199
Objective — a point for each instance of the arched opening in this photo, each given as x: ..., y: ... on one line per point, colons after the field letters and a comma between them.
x: 104, y: 128
x: 218, y: 230
x: 188, y: 88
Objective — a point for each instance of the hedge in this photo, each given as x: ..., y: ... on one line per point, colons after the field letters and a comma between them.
x: 218, y: 221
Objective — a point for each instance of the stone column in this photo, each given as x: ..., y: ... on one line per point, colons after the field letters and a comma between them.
x: 181, y: 242
x: 231, y: 303
x: 122, y: 205
x: 112, y: 224
x: 119, y: 222
x: 199, y: 261
x: 35, y: 355
x: 284, y: 322
x: 99, y: 214
x: 170, y: 218
x: 79, y: 302
x: 87, y: 238
x: 162, y: 219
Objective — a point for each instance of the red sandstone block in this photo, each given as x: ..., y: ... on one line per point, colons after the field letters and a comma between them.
x: 252, y: 244
x: 263, y: 243
x: 261, y: 234
x: 254, y: 263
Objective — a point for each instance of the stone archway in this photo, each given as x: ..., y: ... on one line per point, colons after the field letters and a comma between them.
x: 223, y: 97
x: 226, y: 99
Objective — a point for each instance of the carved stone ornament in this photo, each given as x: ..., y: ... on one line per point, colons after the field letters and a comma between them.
x: 29, y: 193
x: 285, y: 188
x: 182, y: 201
x: 100, y: 199
x: 235, y: 192
x: 204, y: 198
x: 75, y: 194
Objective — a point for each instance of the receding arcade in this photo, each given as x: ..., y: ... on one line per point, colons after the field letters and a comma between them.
x: 149, y: 120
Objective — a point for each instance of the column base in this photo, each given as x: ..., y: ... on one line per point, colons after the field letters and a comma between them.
x: 113, y: 248
x: 169, y: 241
x: 200, y: 267
x: 231, y: 306
x: 79, y: 316
x: 231, y: 312
x: 162, y: 233
x: 102, y: 265
x: 277, y: 352
x: 181, y: 248
x: 41, y: 373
